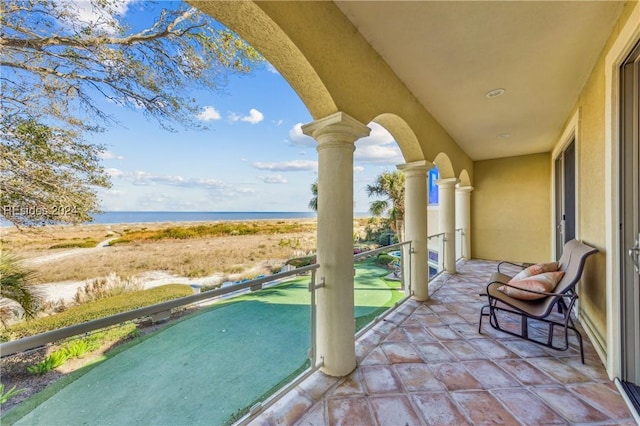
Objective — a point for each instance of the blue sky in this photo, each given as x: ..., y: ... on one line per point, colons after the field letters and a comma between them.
x: 253, y: 157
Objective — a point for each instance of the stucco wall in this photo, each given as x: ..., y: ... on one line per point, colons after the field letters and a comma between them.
x: 591, y: 190
x: 510, y: 208
x: 333, y: 68
x: 591, y: 205
x: 433, y: 220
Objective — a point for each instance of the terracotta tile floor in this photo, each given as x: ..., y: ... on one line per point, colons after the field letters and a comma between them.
x: 426, y: 364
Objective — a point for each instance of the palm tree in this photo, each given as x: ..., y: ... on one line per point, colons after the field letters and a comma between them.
x: 391, y: 186
x: 313, y: 203
x: 14, y: 284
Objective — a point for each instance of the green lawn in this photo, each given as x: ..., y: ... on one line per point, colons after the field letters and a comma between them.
x: 209, y: 366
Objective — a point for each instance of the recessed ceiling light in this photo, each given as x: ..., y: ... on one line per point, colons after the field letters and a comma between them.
x: 504, y: 135
x: 494, y: 93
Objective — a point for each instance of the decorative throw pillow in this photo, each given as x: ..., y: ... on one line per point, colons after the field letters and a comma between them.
x: 541, y: 282
x: 537, y: 269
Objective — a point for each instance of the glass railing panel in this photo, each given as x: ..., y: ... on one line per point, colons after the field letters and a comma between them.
x: 210, y: 367
x: 435, y: 255
x: 459, y: 237
x: 380, y: 280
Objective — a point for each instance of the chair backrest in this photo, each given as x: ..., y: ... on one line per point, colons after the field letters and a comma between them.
x: 572, y: 263
x: 566, y: 253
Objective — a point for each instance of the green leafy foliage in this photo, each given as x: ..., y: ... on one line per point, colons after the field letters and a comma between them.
x: 6, y: 395
x: 78, y: 348
x: 58, y: 56
x: 14, y: 283
x: 98, y: 309
x: 390, y: 186
x: 385, y: 260
x: 313, y: 203
x: 55, y: 360
x: 299, y: 262
x: 48, y: 174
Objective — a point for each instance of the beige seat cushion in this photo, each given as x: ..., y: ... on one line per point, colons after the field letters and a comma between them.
x: 541, y: 282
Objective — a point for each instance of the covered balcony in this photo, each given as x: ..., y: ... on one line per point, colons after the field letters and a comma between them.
x: 426, y: 363
x: 529, y: 112
x: 527, y: 109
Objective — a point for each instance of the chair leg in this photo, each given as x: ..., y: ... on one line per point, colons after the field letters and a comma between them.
x: 482, y: 314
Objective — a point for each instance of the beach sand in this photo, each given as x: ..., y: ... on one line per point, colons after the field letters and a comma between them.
x: 194, y: 261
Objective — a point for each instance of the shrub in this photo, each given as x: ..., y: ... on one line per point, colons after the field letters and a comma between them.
x: 15, y: 284
x: 212, y: 230
x: 385, y: 260
x: 104, y: 287
x: 86, y: 243
x: 299, y: 262
x: 275, y: 269
x: 78, y: 348
x: 55, y: 360
x: 99, y: 309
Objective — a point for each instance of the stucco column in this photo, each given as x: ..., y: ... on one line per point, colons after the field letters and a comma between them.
x: 463, y: 218
x: 335, y: 327
x: 446, y: 189
x: 415, y: 223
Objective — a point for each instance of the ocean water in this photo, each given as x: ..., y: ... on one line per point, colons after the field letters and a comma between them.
x: 155, y: 217
x: 150, y: 217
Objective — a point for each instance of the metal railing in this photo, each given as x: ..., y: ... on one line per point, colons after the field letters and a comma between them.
x: 157, y: 312
x: 162, y: 311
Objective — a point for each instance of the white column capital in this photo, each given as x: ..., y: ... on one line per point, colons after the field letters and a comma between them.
x: 338, y: 127
x: 447, y: 182
x: 460, y: 189
x: 422, y: 166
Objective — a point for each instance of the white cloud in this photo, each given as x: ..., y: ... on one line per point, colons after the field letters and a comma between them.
x: 108, y: 155
x: 288, y: 166
x: 114, y: 173
x: 254, y: 117
x: 272, y: 69
x: 208, y: 113
x: 379, y: 154
x: 142, y: 178
x: 379, y: 148
x: 81, y: 13
x: 277, y: 122
x: 277, y: 178
x: 298, y: 138
x: 358, y: 169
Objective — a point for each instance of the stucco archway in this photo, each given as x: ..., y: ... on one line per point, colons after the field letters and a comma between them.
x: 252, y: 24
x: 444, y: 165
x: 464, y: 179
x: 402, y: 134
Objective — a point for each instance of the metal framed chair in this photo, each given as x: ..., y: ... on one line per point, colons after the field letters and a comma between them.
x: 564, y: 296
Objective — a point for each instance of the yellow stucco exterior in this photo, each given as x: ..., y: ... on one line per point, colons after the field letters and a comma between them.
x: 591, y: 204
x: 333, y: 69
x: 510, y: 209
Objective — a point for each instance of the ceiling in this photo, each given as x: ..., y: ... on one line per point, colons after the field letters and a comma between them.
x: 450, y: 54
